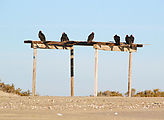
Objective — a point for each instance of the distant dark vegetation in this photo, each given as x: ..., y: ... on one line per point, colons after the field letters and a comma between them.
x: 145, y: 93
x: 11, y: 89
x: 109, y: 93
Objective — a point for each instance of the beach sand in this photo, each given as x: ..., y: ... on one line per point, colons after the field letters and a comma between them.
x: 81, y: 108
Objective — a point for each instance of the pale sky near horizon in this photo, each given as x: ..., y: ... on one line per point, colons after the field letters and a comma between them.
x: 21, y: 20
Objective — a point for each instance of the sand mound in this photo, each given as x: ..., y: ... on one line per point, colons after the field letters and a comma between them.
x: 7, y: 94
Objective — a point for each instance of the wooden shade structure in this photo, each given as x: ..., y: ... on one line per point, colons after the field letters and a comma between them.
x: 68, y: 45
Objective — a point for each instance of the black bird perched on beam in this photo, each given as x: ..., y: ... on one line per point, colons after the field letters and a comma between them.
x: 132, y: 38
x: 117, y: 39
x: 127, y: 39
x: 64, y: 37
x: 90, y: 37
x: 42, y: 36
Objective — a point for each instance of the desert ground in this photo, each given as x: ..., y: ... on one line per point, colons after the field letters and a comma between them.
x: 14, y: 107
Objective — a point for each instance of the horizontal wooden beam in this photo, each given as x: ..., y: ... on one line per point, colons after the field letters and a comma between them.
x: 83, y: 43
x: 115, y: 48
x: 46, y: 46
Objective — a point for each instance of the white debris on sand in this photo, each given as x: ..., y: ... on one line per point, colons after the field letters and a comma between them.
x: 115, y: 113
x: 59, y: 114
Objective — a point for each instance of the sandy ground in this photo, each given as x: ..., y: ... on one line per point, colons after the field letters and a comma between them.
x: 80, y: 108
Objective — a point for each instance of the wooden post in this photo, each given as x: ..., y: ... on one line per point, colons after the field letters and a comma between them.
x: 34, y: 71
x: 130, y: 74
x: 96, y: 72
x: 72, y: 71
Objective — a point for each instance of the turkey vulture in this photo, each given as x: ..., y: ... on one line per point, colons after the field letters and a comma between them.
x: 90, y: 37
x: 64, y: 37
x: 117, y: 39
x: 127, y: 39
x: 132, y: 38
x: 42, y: 36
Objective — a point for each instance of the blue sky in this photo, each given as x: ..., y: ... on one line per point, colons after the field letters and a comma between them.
x: 21, y: 20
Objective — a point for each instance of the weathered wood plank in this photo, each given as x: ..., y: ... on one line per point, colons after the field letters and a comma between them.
x: 34, y: 72
x: 96, y: 73
x: 83, y: 43
x: 115, y: 48
x: 46, y: 46
x: 130, y: 75
x: 72, y: 71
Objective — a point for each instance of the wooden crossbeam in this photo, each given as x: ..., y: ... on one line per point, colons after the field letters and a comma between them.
x: 46, y: 46
x: 83, y: 43
x: 116, y: 48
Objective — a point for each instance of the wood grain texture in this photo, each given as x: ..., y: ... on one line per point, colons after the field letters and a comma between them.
x: 126, y: 48
x: 34, y: 72
x: 96, y: 73
x: 46, y: 46
x: 130, y: 74
x: 72, y: 70
x: 82, y: 43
